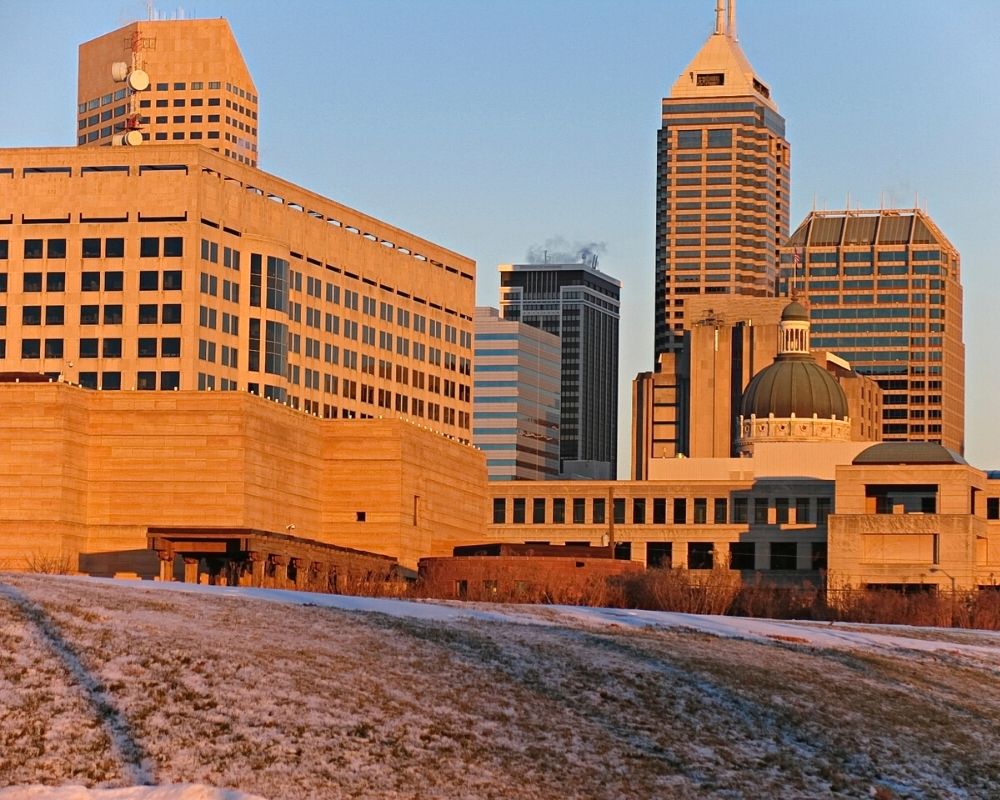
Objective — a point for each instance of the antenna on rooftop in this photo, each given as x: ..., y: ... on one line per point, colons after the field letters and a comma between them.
x: 136, y: 80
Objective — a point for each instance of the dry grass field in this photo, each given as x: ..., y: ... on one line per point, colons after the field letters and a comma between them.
x: 114, y: 684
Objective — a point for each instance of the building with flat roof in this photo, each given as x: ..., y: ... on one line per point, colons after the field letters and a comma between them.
x: 883, y: 290
x: 722, y: 183
x: 177, y: 81
x: 515, y: 405
x: 166, y: 267
x: 580, y: 305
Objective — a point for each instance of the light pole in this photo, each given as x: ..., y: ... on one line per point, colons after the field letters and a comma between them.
x: 947, y: 574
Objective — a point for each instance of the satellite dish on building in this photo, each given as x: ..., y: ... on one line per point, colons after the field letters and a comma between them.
x: 138, y: 80
x: 127, y: 139
x: 119, y: 71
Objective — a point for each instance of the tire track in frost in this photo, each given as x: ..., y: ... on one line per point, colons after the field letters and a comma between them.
x: 136, y: 764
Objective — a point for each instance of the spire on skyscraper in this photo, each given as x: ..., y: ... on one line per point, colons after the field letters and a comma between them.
x: 721, y: 69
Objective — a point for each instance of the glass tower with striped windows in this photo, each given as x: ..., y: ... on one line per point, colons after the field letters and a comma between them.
x: 722, y: 183
x: 515, y: 417
x: 884, y: 291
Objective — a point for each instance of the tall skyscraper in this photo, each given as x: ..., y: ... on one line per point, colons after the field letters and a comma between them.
x: 515, y: 405
x: 175, y: 81
x: 884, y: 291
x: 722, y: 183
x: 580, y: 305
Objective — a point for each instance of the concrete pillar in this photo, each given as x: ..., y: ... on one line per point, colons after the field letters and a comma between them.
x: 256, y: 569
x: 166, y: 565
x: 190, y: 570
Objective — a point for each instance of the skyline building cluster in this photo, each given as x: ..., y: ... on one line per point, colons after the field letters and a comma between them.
x: 212, y: 357
x: 881, y: 288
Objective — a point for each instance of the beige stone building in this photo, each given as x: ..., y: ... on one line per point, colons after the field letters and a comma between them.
x: 174, y: 267
x: 85, y: 474
x: 177, y: 81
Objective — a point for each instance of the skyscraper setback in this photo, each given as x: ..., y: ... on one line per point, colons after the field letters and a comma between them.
x: 722, y: 183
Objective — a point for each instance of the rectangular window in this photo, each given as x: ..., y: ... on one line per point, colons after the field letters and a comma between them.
x: 801, y: 510
x: 559, y: 510
x: 112, y: 348
x: 55, y: 248
x: 170, y: 347
x: 823, y: 509
x: 760, y: 511
x: 172, y: 280
x: 88, y: 348
x: 149, y: 314
x: 618, y: 510
x: 721, y: 513
x: 783, y: 555
x: 817, y: 555
x: 700, y: 511
x: 638, y: 511
x: 579, y: 510
x: 147, y: 347
x: 538, y: 510
x: 781, y: 506
x: 149, y: 247
x: 680, y: 511
x: 90, y: 281
x: 91, y: 248
x: 31, y: 348
x: 742, y: 555
x: 114, y: 281
x: 111, y: 380
x: 54, y: 315
x: 993, y: 508
x: 31, y: 315
x: 519, y: 510
x: 700, y: 555
x: 149, y: 280
x: 499, y: 510
x: 112, y: 315
x: 599, y: 510
x: 32, y: 281
x: 659, y: 511
x: 32, y: 248
x: 173, y: 246
x: 146, y: 381
x: 53, y: 348
x: 55, y: 282
x: 660, y: 554
x: 171, y: 314
x: 90, y: 315
x: 740, y: 509
x: 114, y: 247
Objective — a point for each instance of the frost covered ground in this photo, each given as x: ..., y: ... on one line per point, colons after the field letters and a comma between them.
x: 284, y: 695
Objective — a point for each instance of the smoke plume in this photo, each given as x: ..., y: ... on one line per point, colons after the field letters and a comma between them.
x: 559, y: 251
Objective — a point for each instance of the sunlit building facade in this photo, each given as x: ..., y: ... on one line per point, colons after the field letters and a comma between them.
x: 722, y: 188
x: 884, y: 291
x: 515, y: 417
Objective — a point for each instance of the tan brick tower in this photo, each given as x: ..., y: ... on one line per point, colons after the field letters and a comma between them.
x: 722, y: 183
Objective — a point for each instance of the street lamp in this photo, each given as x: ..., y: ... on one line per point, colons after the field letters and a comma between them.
x: 947, y: 574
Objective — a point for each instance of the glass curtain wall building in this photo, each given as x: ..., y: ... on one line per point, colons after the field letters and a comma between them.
x: 516, y: 374
x: 580, y: 305
x: 884, y: 291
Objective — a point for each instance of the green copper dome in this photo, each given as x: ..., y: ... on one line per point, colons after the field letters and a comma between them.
x: 794, y: 384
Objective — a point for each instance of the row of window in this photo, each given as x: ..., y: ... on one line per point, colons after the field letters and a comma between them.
x: 146, y: 347
x: 94, y: 247
x: 112, y: 281
x: 664, y: 511
x: 149, y: 314
x: 167, y: 380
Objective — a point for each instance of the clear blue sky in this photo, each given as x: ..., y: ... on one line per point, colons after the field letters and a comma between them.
x: 491, y: 127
